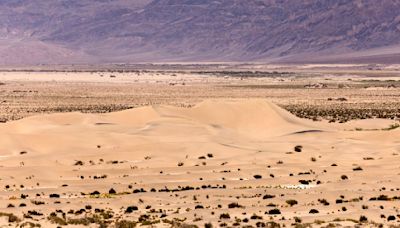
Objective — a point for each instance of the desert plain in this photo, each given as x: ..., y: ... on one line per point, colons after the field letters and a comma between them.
x: 217, y: 145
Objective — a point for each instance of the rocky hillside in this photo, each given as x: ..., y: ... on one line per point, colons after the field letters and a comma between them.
x: 78, y: 31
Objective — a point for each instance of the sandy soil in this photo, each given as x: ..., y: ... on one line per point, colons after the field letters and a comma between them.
x: 223, y: 162
x: 205, y: 146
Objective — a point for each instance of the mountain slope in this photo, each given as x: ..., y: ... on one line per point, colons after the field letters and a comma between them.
x: 196, y: 30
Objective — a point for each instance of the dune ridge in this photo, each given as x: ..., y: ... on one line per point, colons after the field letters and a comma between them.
x: 255, y: 118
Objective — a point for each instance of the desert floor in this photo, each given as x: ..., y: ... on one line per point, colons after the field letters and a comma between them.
x: 201, y: 146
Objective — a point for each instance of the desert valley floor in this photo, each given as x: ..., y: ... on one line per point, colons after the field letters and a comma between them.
x: 252, y: 146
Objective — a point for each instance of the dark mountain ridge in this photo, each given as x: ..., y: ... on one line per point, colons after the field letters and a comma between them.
x: 98, y: 31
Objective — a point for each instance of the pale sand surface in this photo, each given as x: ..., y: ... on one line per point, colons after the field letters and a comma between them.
x: 216, y: 147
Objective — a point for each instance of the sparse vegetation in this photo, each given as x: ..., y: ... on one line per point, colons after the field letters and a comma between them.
x: 291, y: 202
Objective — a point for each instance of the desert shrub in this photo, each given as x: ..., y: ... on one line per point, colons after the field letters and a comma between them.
x: 268, y: 196
x: 79, y: 163
x: 324, y: 202
x: 125, y: 224
x: 291, y: 202
x: 131, y: 209
x: 274, y: 211
x: 256, y: 217
x: 57, y: 220
x: 363, y: 218
x: 224, y: 216
x: 313, y: 211
x: 11, y: 217
x: 297, y: 219
x: 305, y: 182
x: 234, y: 205
x: 298, y: 148
x: 199, y: 207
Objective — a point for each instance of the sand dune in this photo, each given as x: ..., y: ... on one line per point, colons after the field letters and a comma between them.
x: 233, y: 151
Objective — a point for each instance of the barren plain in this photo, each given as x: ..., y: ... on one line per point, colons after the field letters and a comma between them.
x: 201, y: 146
